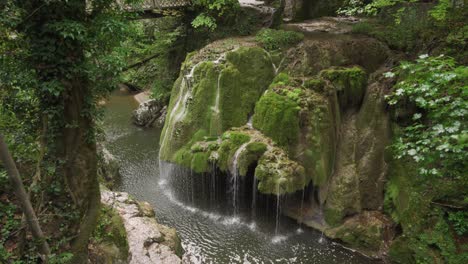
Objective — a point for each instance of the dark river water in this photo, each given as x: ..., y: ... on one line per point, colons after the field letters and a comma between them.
x: 209, y: 233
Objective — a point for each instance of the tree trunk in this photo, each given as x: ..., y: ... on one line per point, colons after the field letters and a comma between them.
x: 23, y: 198
x: 57, y: 53
x: 78, y: 150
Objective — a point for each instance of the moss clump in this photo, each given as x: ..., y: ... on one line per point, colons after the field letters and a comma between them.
x: 277, y: 117
x: 427, y: 233
x: 350, y: 85
x: 231, y: 142
x: 272, y: 39
x: 233, y: 85
x: 110, y: 235
x: 333, y: 217
x: 368, y: 232
x: 247, y: 75
x: 200, y: 162
x: 278, y: 175
x: 315, y: 84
x: 251, y: 154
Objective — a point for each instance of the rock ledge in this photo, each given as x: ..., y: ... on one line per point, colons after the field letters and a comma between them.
x: 148, y: 241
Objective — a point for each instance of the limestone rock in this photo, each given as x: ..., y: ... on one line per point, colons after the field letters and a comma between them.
x: 370, y: 232
x: 108, y: 167
x: 264, y: 11
x: 295, y: 10
x: 333, y: 25
x: 146, y: 209
x: 217, y: 89
x: 148, y: 241
x: 360, y: 171
x: 148, y: 112
x: 321, y: 51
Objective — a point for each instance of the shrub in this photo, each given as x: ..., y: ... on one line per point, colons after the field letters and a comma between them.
x: 436, y: 136
x: 272, y: 39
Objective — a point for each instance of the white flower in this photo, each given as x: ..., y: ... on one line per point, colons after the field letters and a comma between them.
x: 423, y: 56
x: 399, y: 92
x: 416, y: 116
x: 389, y: 74
x: 412, y: 152
x: 438, y: 129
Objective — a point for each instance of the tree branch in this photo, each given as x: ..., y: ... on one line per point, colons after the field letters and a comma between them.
x: 23, y: 198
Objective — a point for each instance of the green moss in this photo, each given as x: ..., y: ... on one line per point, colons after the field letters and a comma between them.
x: 272, y: 39
x: 427, y: 235
x: 350, y: 84
x: 277, y: 117
x: 248, y: 74
x: 240, y: 81
x: 333, y: 217
x: 315, y: 84
x: 251, y: 154
x: 399, y: 251
x: 110, y: 230
x: 278, y: 175
x: 362, y: 237
x: 200, y: 162
x: 282, y: 78
x: 231, y: 142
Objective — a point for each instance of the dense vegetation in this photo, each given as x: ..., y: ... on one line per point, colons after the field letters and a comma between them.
x: 59, y: 59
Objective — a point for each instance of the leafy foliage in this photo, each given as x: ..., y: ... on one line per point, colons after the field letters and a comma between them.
x: 459, y: 221
x: 44, y: 47
x: 436, y: 137
x: 159, y: 40
x: 209, y: 11
x: 272, y: 39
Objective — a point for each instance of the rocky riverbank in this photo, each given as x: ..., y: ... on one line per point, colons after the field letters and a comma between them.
x: 148, y: 241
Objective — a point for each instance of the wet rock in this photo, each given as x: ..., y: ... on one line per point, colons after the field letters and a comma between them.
x: 148, y: 241
x: 296, y: 10
x: 370, y: 232
x: 149, y: 113
x: 146, y: 209
x: 358, y: 180
x: 333, y: 25
x: 324, y: 50
x: 108, y: 167
x: 264, y: 11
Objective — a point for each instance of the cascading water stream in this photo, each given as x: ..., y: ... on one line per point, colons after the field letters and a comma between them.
x: 302, y: 207
x: 254, y: 196
x: 235, y: 177
x: 278, y: 197
x: 213, y: 184
x: 275, y: 68
x: 179, y: 110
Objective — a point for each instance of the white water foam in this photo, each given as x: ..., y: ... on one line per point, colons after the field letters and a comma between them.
x: 278, y: 239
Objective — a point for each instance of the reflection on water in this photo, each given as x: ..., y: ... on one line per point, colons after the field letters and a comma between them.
x: 209, y: 232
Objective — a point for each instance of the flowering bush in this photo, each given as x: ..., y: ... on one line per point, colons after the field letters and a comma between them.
x: 436, y: 137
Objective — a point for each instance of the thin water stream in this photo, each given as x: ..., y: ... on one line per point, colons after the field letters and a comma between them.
x: 209, y: 231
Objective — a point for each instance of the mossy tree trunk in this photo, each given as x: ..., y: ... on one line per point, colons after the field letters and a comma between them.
x: 57, y: 36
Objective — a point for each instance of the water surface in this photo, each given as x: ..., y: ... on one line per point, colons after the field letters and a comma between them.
x: 210, y: 233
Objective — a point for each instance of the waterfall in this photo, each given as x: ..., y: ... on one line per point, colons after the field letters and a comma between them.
x: 180, y: 107
x: 218, y: 91
x: 275, y: 68
x: 192, y: 183
x: 213, y: 184
x: 301, y: 212
x: 235, y: 176
x: 249, y: 123
x: 216, y: 127
x: 254, y: 196
x: 278, y: 208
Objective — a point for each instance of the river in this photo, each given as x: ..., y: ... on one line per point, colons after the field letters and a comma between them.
x: 209, y: 233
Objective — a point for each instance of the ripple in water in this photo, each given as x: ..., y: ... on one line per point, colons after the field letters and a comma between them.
x: 208, y: 233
